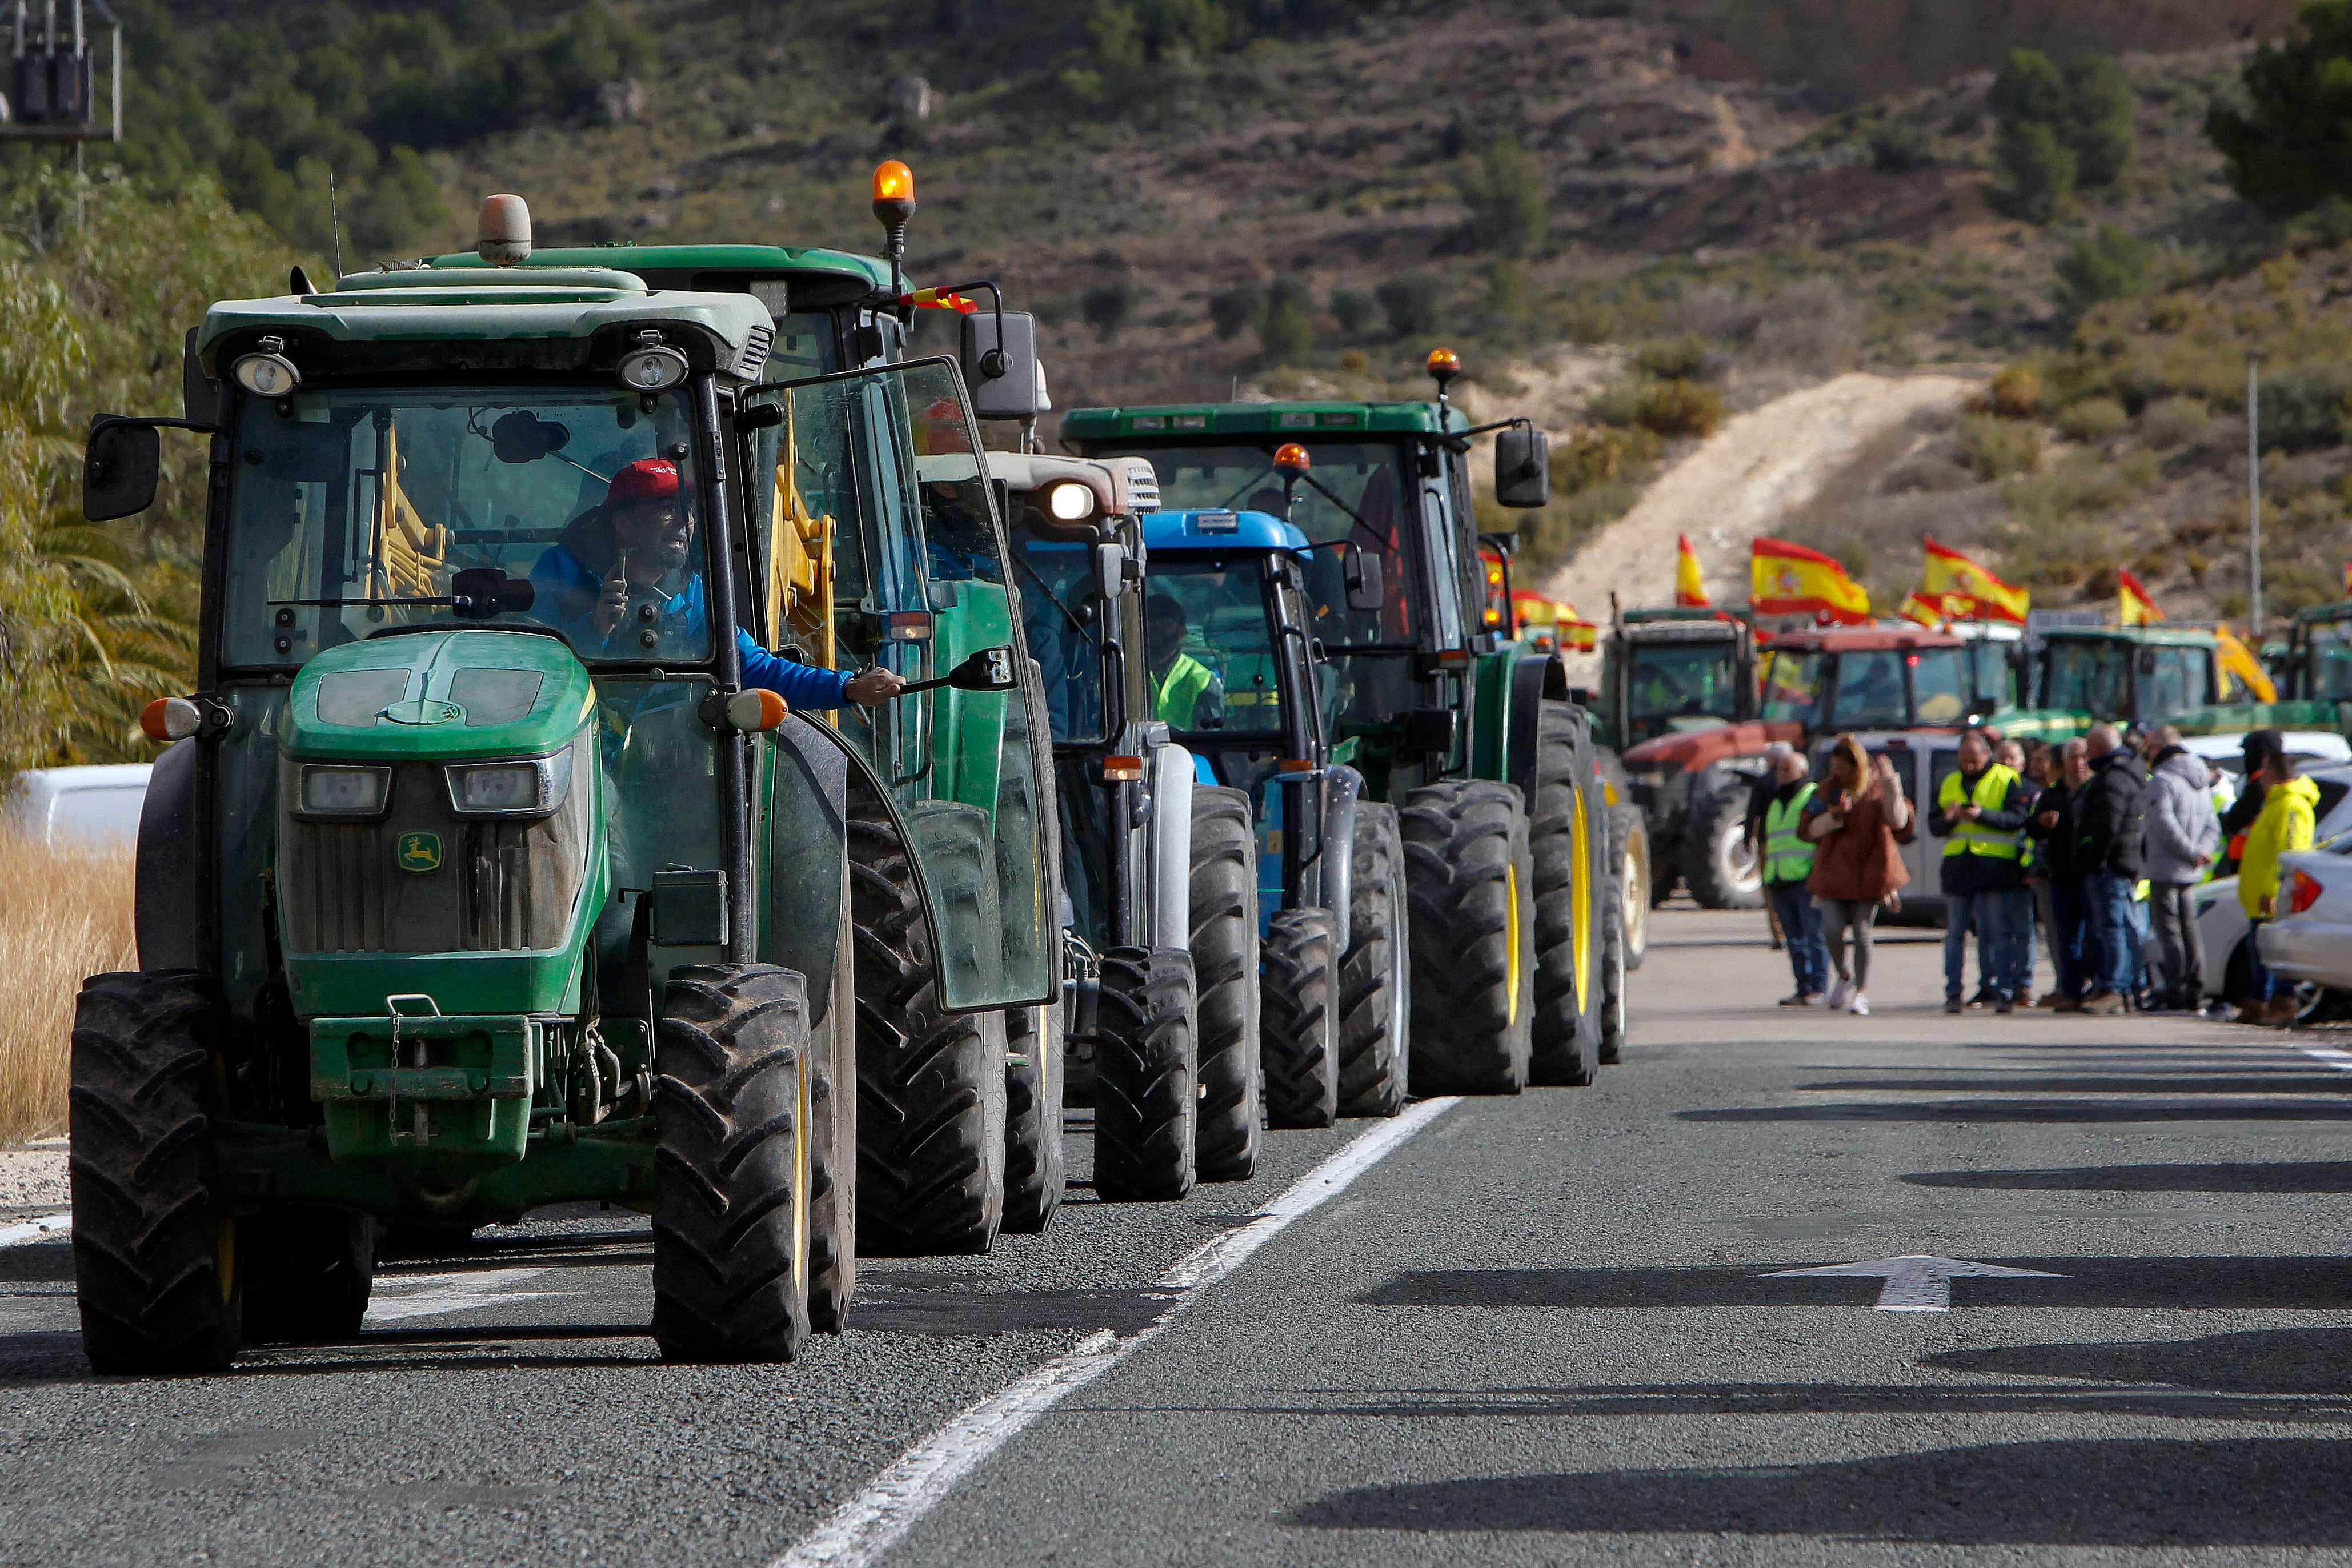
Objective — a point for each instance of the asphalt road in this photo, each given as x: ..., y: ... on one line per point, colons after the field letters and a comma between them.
x: 1543, y: 1330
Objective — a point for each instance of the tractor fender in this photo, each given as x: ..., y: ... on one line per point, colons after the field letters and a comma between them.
x: 808, y: 873
x: 1342, y: 788
x: 1534, y: 680
x: 164, y: 904
x: 1171, y: 846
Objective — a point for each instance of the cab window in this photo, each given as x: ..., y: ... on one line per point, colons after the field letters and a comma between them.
x: 1939, y: 685
x: 1791, y: 687
x: 1870, y: 691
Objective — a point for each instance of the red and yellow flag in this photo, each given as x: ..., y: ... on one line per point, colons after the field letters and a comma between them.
x: 2134, y: 606
x: 1690, y: 583
x: 1923, y: 610
x: 1790, y: 580
x: 1951, y: 575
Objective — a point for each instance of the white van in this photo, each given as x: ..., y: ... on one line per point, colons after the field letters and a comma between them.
x: 79, y: 808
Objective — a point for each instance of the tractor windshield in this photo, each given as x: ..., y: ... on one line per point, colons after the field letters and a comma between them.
x: 1792, y: 685
x: 2172, y: 679
x: 1680, y: 685
x: 350, y: 512
x: 2329, y: 670
x: 1062, y: 609
x: 1211, y: 651
x: 2087, y: 676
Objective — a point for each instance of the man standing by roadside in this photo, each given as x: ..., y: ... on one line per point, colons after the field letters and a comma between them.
x: 1787, y: 862
x: 1981, y: 815
x: 2183, y: 835
x: 2111, y: 854
x: 2288, y: 819
x: 2235, y: 821
x: 2011, y: 755
x: 2055, y: 826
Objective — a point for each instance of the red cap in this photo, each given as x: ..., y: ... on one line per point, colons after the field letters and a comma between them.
x: 647, y: 479
x: 943, y: 427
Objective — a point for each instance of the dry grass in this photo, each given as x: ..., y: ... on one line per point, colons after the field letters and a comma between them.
x: 62, y: 916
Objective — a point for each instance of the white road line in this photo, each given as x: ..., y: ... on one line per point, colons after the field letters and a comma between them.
x: 39, y: 1230
x: 430, y: 1295
x: 861, y: 1530
x: 2339, y: 1059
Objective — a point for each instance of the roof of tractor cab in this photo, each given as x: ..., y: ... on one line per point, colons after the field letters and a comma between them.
x: 2320, y: 614
x: 1290, y: 420
x: 2158, y: 636
x: 1208, y: 530
x: 1861, y: 639
x: 813, y: 278
x: 516, y: 316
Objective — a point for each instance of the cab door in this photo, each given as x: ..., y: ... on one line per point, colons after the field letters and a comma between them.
x: 887, y: 460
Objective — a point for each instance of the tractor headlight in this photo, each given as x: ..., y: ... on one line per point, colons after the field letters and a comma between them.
x: 266, y: 375
x: 531, y: 788
x: 349, y: 792
x: 652, y: 370
x: 1070, y: 502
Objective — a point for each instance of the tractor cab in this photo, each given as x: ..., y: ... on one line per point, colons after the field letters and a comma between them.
x: 2084, y: 676
x: 1667, y: 671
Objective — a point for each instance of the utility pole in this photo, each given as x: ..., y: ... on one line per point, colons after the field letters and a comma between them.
x: 2254, y: 495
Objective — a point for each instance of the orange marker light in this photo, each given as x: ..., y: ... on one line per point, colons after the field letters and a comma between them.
x: 1444, y: 364
x: 893, y: 181
x: 1122, y: 769
x: 1291, y: 458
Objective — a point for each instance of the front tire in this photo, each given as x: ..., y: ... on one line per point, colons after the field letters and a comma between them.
x: 1612, y: 986
x: 1629, y: 842
x: 1718, y: 862
x: 1225, y: 959
x: 1568, y: 838
x: 1376, y: 971
x: 1301, y: 1047
x: 155, y: 1250
x: 1034, y: 1175
x: 731, y: 1168
x: 1473, y: 934
x: 1145, y: 1099
x: 307, y: 1273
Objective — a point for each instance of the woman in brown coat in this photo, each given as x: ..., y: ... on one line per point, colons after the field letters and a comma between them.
x: 1855, y: 821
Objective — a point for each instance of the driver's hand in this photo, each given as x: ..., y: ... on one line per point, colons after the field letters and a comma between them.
x: 872, y: 687
x: 611, y: 605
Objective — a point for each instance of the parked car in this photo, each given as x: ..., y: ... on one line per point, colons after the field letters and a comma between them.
x: 2310, y: 939
x: 2311, y: 748
x: 2223, y: 922
x: 79, y: 808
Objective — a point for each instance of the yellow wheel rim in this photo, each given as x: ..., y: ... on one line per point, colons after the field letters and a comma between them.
x: 1511, y: 941
x: 801, y: 1179
x: 1581, y: 884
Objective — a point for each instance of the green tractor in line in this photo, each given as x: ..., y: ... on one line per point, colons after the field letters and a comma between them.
x: 2083, y: 675
x: 1467, y: 733
x: 2313, y: 672
x: 448, y: 909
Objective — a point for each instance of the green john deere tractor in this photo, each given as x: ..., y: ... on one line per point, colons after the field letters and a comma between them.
x: 457, y: 897
x: 2313, y: 677
x: 2083, y: 675
x: 955, y: 1139
x: 1467, y: 733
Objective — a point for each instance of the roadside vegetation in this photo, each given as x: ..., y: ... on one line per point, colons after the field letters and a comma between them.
x: 62, y: 915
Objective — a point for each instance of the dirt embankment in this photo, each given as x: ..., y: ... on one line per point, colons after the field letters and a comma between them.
x: 1760, y: 469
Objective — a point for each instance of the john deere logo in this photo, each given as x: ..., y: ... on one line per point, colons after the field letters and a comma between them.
x: 420, y: 851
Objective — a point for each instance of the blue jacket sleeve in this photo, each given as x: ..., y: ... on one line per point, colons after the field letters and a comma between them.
x: 801, y: 686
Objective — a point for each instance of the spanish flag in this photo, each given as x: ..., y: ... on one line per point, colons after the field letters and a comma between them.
x: 1690, y: 583
x: 2133, y: 605
x: 1923, y: 610
x: 1951, y: 575
x: 2238, y: 660
x: 1790, y: 580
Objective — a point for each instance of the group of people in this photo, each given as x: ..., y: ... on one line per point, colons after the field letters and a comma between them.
x: 2094, y: 847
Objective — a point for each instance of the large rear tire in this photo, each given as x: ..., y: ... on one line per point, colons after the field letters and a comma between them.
x: 1472, y: 936
x: 1629, y: 842
x: 1569, y: 837
x: 1376, y: 971
x: 1718, y: 862
x: 1034, y: 1175
x: 155, y: 1249
x: 1225, y: 946
x: 1301, y: 1043
x: 931, y: 1084
x: 1145, y: 1100
x: 731, y: 1168
x: 833, y: 1147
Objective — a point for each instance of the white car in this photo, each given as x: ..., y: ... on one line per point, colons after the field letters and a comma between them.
x: 2223, y: 922
x: 2311, y: 748
x: 79, y: 808
x: 2310, y: 940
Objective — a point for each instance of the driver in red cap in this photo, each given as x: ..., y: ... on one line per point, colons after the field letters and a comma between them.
x: 622, y: 583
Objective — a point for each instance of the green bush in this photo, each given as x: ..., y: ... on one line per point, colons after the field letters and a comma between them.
x: 2110, y: 264
x: 2034, y: 172
x: 1997, y: 448
x: 1287, y: 330
x: 1504, y: 189
x: 1408, y: 300
x: 1679, y: 408
x: 1898, y: 146
x: 2093, y: 419
x: 1107, y: 306
x: 2175, y: 421
x: 2305, y: 407
x: 1674, y: 358
x: 2291, y: 147
x: 1354, y: 311
x: 1235, y: 308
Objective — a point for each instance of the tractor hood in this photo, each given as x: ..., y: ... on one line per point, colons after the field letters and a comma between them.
x: 441, y: 694
x: 1693, y: 749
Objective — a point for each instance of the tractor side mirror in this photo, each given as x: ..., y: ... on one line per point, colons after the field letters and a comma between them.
x: 120, y: 470
x: 990, y: 670
x: 1365, y: 588
x: 1003, y: 376
x: 1522, y: 467
x: 482, y: 592
x: 523, y: 437
x: 1110, y: 570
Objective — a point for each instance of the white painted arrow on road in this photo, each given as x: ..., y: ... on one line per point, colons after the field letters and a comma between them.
x: 430, y: 1295
x: 1917, y: 1282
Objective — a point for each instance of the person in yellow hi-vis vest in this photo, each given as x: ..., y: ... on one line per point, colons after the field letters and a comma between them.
x: 1185, y: 692
x: 1981, y: 813
x: 1788, y: 863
